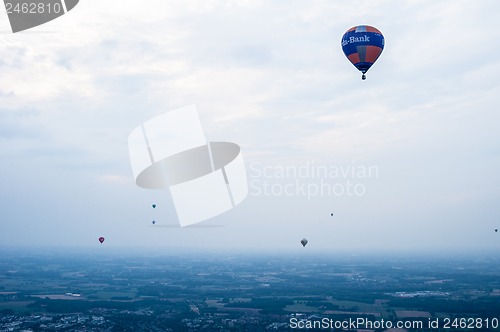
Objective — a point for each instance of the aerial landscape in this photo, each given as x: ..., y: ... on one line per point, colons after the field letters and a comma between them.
x: 249, y: 165
x: 103, y: 291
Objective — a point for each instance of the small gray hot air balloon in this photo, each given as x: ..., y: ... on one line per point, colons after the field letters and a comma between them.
x: 303, y: 242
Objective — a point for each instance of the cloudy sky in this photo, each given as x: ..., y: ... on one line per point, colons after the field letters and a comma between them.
x: 418, y: 140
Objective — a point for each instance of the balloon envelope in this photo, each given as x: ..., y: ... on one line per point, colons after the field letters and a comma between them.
x: 154, y: 206
x: 154, y: 222
x: 303, y: 242
x: 101, y: 239
x: 362, y: 45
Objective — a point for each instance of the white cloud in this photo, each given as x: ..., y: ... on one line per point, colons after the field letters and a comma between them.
x: 269, y: 75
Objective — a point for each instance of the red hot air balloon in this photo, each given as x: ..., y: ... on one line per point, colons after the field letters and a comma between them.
x: 362, y: 45
x: 101, y: 239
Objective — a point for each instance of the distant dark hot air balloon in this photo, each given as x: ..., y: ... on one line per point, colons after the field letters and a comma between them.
x: 154, y: 206
x: 153, y: 222
x: 362, y: 45
x: 303, y: 242
x: 101, y: 239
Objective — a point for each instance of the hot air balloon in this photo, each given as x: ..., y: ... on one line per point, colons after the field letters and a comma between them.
x: 154, y: 206
x: 362, y: 45
x: 101, y: 239
x: 153, y: 222
x: 303, y: 242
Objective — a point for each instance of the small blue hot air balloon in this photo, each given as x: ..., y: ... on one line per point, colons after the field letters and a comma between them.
x: 362, y: 45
